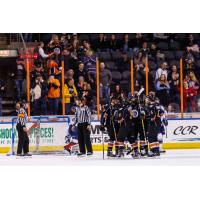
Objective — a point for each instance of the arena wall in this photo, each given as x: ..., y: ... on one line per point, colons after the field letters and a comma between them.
x: 180, y: 134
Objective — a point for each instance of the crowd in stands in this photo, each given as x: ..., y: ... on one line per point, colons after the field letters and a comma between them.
x: 79, y: 53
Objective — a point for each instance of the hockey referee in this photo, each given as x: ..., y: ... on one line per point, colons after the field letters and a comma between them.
x: 83, y: 119
x: 23, y: 139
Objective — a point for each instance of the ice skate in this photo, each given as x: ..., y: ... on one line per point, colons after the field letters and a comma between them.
x: 89, y: 153
x: 143, y: 152
x: 110, y: 154
x: 135, y: 154
x: 80, y: 154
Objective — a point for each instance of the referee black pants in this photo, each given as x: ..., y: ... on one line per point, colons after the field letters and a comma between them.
x: 84, y: 138
x: 23, y: 140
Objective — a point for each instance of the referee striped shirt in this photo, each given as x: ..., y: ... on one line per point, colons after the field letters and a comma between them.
x: 22, y: 117
x: 83, y: 115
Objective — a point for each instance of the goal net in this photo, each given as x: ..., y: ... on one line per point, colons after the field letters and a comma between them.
x: 46, y: 134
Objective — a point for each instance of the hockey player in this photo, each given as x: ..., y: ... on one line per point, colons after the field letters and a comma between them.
x: 126, y: 131
x: 108, y: 121
x: 162, y: 123
x: 71, y: 138
x: 140, y: 130
x: 153, y: 121
x: 71, y: 146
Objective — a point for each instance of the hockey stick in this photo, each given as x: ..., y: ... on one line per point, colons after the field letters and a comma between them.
x: 143, y: 128
x: 103, y: 144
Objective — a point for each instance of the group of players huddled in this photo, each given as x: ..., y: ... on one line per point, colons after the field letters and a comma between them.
x: 135, y: 125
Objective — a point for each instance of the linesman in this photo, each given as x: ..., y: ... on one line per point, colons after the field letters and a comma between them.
x: 83, y: 119
x: 23, y: 139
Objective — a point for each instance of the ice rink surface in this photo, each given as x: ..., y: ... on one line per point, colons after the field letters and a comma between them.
x: 171, y: 157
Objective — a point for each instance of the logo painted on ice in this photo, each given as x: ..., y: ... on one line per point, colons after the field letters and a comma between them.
x: 187, y: 130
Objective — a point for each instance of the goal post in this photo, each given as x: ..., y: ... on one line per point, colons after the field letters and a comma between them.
x: 46, y: 134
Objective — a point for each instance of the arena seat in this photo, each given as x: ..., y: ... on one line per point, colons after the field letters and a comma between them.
x: 174, y: 45
x: 126, y: 75
x: 93, y: 36
x: 163, y: 46
x: 174, y: 62
x: 104, y: 56
x: 83, y: 37
x: 111, y: 65
x: 116, y: 55
x: 116, y: 76
x: 152, y: 65
x: 153, y: 73
x: 196, y: 36
x: 180, y: 36
x: 179, y: 54
x: 169, y: 55
x: 130, y: 54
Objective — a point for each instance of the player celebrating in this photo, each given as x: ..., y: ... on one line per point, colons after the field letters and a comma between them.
x: 108, y: 121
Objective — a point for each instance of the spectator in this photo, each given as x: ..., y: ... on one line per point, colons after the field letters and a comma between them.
x: 126, y: 44
x: 19, y: 75
x: 145, y: 50
x: 70, y: 74
x: 38, y: 70
x: 81, y: 72
x: 105, y: 80
x: 53, y: 94
x: 55, y: 48
x: 80, y: 86
x: 118, y: 93
x: 2, y: 91
x: 89, y: 61
x: 123, y: 63
x: 39, y: 93
x: 113, y: 43
x: 70, y: 93
x: 192, y: 47
x: 70, y: 62
x: 101, y: 44
x: 155, y: 53
x: 87, y: 46
x: 65, y: 40
x: 75, y: 40
x: 54, y: 68
x: 173, y: 79
x: 140, y: 76
x: 162, y: 90
x: 162, y: 70
x: 189, y: 94
x: 190, y: 40
x: 41, y: 55
x: 191, y: 66
x: 138, y: 41
x: 88, y: 94
x: 192, y: 80
x: 140, y: 59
